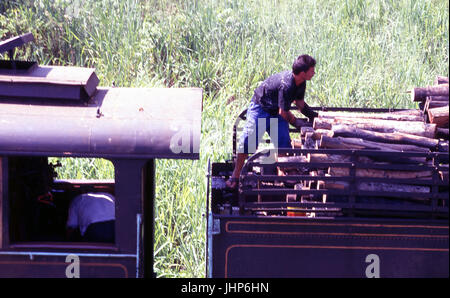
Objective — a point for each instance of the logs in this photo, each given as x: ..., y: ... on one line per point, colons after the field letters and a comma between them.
x: 442, y: 133
x: 342, y: 130
x: 309, y: 143
x: 440, y: 80
x: 358, y: 143
x: 334, y: 158
x: 375, y: 173
x: 383, y: 116
x: 439, y: 116
x: 421, y: 93
x: 417, y: 128
x: 388, y: 177
x: 434, y: 102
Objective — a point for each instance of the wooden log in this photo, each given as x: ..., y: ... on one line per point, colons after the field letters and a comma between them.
x: 438, y: 98
x: 439, y: 116
x: 335, y: 158
x: 440, y: 80
x: 305, y: 129
x: 442, y: 133
x: 296, y: 143
x: 329, y: 184
x: 377, y: 173
x: 310, y: 143
x: 379, y: 187
x: 415, y: 112
x: 342, y: 130
x: 421, y: 93
x: 357, y: 143
x: 392, y: 187
x: 321, y: 185
x: 385, y: 116
x: 291, y: 170
x: 297, y: 158
x: 318, y: 133
x: 443, y: 146
x: 387, y: 126
x: 430, y: 103
x: 293, y: 198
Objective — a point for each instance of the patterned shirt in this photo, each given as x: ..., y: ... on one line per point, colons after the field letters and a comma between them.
x: 279, y: 91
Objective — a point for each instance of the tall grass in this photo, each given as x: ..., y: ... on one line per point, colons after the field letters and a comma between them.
x: 369, y: 54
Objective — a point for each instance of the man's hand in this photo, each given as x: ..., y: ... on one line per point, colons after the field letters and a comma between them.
x: 304, y: 108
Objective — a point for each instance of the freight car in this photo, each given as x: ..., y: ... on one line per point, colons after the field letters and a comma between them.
x: 324, y: 211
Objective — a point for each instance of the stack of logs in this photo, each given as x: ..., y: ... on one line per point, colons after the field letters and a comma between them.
x: 421, y: 130
x: 434, y: 103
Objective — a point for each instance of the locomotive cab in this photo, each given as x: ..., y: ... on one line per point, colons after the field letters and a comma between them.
x: 54, y: 114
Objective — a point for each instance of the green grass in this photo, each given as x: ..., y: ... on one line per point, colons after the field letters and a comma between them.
x: 369, y: 54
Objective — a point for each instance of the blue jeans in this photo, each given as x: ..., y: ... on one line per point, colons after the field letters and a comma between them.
x: 258, y: 122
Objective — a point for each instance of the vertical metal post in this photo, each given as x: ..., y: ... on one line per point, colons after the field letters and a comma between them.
x: 148, y: 220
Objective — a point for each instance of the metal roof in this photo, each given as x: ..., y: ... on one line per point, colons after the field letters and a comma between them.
x: 115, y: 123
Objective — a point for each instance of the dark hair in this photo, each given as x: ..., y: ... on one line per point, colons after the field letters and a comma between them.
x: 303, y: 63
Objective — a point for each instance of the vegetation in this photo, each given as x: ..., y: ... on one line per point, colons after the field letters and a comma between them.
x: 369, y: 54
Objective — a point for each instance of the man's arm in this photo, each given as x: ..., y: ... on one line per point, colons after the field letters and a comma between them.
x: 306, y: 110
x: 287, y: 115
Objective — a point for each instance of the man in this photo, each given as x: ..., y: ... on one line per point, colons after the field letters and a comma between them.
x: 272, y: 99
x: 93, y: 216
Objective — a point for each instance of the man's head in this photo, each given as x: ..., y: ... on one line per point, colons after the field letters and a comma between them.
x: 303, y: 68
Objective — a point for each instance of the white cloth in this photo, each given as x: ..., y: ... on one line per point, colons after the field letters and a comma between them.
x: 90, y: 208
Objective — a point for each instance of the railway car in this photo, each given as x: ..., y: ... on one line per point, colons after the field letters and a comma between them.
x: 292, y: 216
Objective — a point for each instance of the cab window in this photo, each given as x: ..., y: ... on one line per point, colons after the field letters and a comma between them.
x: 53, y: 199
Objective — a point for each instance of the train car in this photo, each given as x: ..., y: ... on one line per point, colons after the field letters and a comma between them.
x: 294, y: 215
x: 48, y: 113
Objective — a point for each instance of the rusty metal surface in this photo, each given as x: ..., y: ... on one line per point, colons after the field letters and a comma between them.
x: 117, y: 122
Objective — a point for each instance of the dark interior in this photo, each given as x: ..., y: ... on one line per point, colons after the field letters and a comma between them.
x: 39, y: 202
